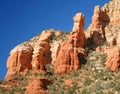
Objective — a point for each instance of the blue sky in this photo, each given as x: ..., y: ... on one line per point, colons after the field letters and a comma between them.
x: 20, y: 20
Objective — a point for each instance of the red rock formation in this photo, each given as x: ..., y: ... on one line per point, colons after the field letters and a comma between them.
x: 46, y: 35
x: 19, y: 60
x: 105, y: 20
x: 112, y: 35
x: 95, y: 25
x: 38, y: 86
x: 77, y: 33
x: 113, y: 59
x: 113, y: 10
x: 69, y: 55
x: 33, y: 54
x: 55, y: 47
x: 41, y: 55
x: 99, y: 21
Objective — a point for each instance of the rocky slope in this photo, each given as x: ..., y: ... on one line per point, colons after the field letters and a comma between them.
x: 56, y: 62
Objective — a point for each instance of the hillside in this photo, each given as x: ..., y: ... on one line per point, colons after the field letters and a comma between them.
x: 76, y: 62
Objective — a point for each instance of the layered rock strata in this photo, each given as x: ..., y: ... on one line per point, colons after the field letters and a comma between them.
x: 70, y: 52
x: 31, y: 55
x: 113, y: 59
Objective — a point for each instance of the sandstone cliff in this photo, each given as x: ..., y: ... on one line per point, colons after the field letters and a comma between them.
x: 105, y: 21
x: 34, y: 54
x: 104, y: 29
x: 71, y: 53
x: 83, y: 57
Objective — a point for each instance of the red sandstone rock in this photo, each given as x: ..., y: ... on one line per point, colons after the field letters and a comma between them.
x: 97, y: 38
x: 46, y: 35
x: 38, y: 86
x: 99, y: 21
x: 41, y: 56
x: 55, y: 47
x: 69, y: 55
x: 96, y: 23
x: 58, y: 33
x: 33, y: 54
x: 105, y: 20
x: 113, y: 59
x: 113, y: 10
x: 19, y: 60
x: 77, y: 33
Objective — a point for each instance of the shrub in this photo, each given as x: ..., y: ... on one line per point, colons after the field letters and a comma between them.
x: 58, y: 38
x: 50, y: 68
x: 39, y: 74
x: 18, y: 77
x: 106, y: 44
x: 28, y: 73
x: 87, y: 81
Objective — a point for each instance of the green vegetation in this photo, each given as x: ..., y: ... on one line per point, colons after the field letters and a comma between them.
x: 18, y: 84
x: 62, y: 37
x: 39, y: 74
x: 92, y: 78
x: 106, y: 44
x: 12, y: 91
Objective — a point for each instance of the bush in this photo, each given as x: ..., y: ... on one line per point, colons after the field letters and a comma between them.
x: 50, y: 68
x: 87, y: 81
x: 60, y: 38
x: 39, y: 74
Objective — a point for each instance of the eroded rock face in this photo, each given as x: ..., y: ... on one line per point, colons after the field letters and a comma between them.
x: 33, y: 54
x: 46, y: 35
x: 55, y: 47
x: 113, y: 10
x: 41, y: 55
x: 38, y: 86
x: 70, y: 52
x: 19, y: 60
x: 113, y: 59
x: 99, y: 21
x: 106, y: 21
x: 77, y: 33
